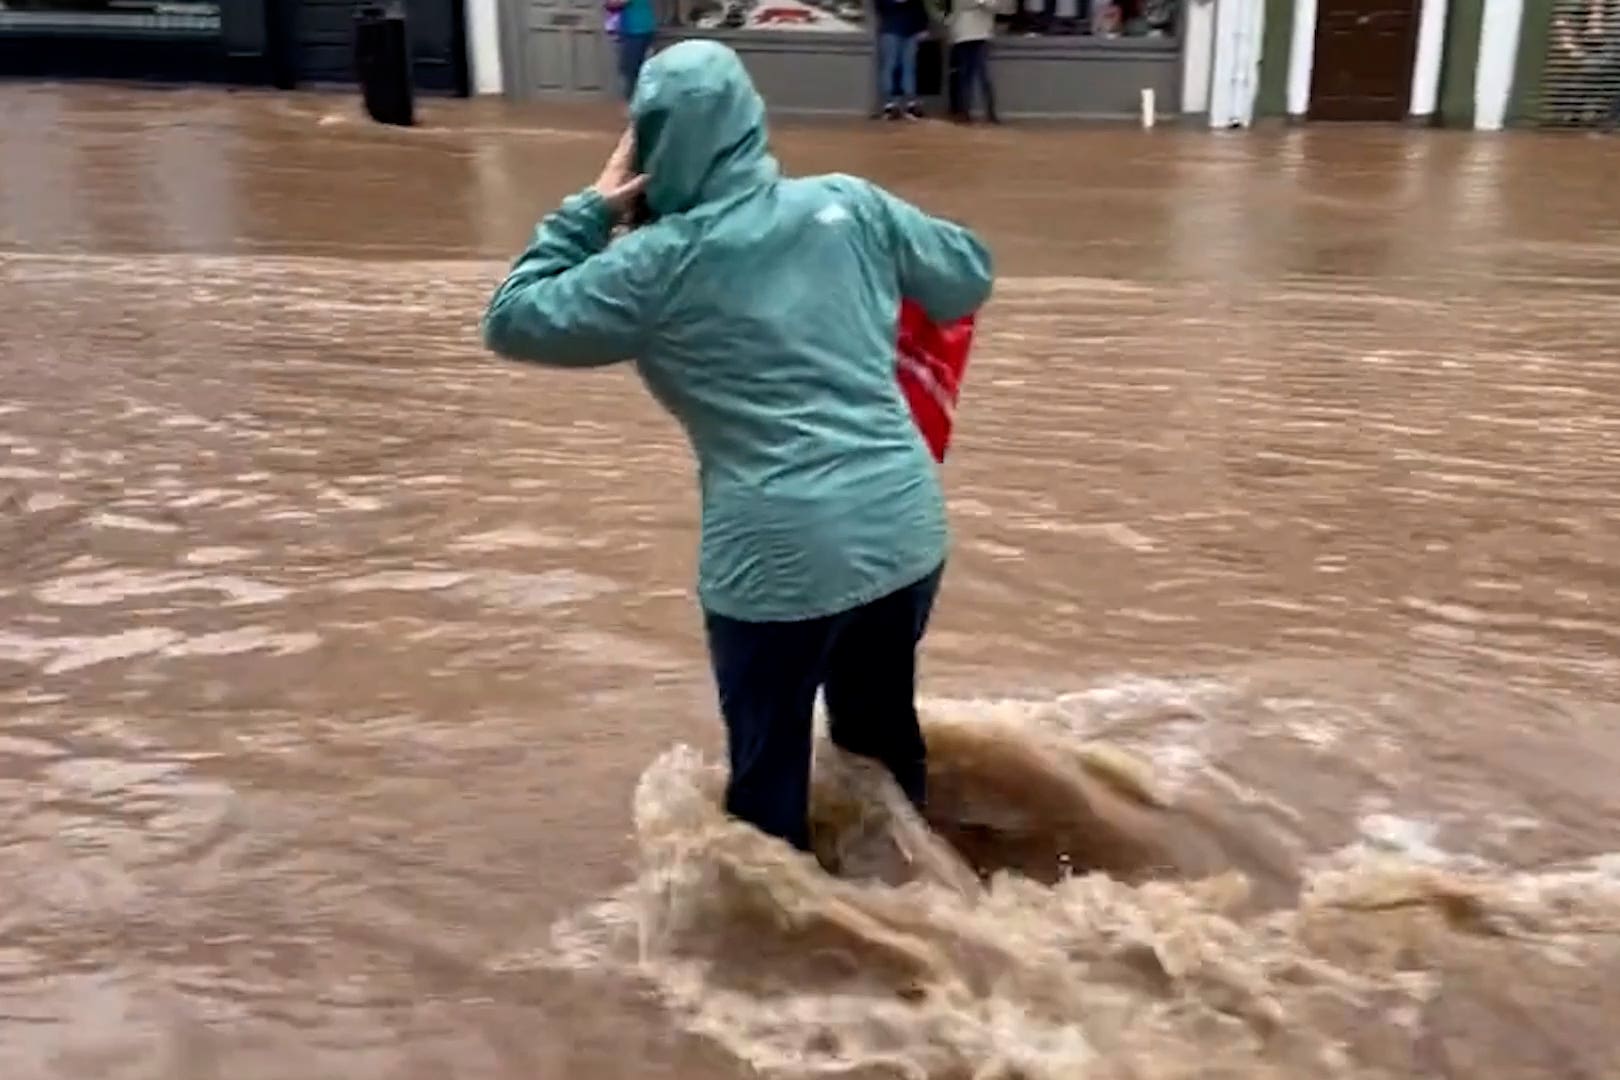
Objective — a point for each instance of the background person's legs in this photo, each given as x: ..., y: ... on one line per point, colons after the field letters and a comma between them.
x: 957, y: 102
x: 871, y: 684
x: 908, y: 70
x: 767, y: 675
x: 976, y: 78
x: 890, y: 48
x: 969, y: 55
x: 633, y: 49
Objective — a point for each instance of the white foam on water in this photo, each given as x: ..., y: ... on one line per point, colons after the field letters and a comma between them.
x: 46, y: 500
x: 217, y: 556
x: 244, y: 639
x: 403, y: 581
x: 57, y: 655
x: 129, y: 523
x: 1408, y: 837
x: 114, y: 586
x: 512, y: 537
x: 517, y: 591
x: 974, y: 959
x: 62, y: 654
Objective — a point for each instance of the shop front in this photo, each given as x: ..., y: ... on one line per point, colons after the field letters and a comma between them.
x: 1050, y: 58
x: 1480, y: 64
x: 173, y: 39
x: 277, y: 42
x: 1579, y: 85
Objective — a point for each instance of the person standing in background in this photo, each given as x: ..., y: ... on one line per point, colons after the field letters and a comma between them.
x: 901, y: 26
x: 633, y: 24
x: 972, y: 25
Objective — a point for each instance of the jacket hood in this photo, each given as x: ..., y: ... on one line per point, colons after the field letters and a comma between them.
x: 700, y: 127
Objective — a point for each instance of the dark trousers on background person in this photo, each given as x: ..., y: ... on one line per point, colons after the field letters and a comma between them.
x: 970, y: 73
x: 768, y: 674
x: 632, y: 49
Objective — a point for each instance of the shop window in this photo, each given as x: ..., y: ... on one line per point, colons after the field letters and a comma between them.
x: 794, y: 16
x: 1104, y: 20
x: 158, y: 18
x: 1581, y: 81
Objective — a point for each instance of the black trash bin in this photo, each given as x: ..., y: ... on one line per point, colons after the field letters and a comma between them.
x: 382, y: 61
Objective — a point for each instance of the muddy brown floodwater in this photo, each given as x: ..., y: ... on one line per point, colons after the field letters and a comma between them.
x: 353, y: 712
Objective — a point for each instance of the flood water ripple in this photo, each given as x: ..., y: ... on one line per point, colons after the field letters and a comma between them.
x: 353, y: 710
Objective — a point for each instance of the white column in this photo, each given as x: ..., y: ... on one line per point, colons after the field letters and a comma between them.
x: 1235, y: 77
x: 1431, y: 48
x: 1301, y: 57
x: 484, y: 45
x: 1197, y: 54
x: 1498, y: 52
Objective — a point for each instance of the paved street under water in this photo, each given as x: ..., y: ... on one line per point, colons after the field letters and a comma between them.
x: 332, y: 652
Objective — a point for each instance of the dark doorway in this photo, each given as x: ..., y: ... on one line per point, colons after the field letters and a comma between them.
x: 319, y: 36
x: 1363, y: 65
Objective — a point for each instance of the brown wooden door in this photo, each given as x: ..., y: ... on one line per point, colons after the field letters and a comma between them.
x: 1363, y: 64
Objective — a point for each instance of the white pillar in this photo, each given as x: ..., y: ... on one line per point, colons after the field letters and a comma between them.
x: 1498, y: 52
x: 1198, y: 46
x: 1431, y: 48
x: 484, y: 45
x: 1301, y: 57
x: 1235, y: 76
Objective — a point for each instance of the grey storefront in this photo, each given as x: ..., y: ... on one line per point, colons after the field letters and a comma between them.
x: 1053, y: 58
x: 282, y: 43
x: 180, y: 41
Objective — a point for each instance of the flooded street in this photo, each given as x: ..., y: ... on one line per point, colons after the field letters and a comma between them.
x: 1286, y: 496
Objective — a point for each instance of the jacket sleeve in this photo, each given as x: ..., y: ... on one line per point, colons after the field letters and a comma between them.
x: 571, y: 299
x: 943, y: 266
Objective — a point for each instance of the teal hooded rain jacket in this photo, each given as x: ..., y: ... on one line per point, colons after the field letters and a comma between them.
x: 760, y: 311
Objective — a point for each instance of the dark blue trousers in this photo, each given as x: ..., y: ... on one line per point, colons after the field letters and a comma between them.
x: 768, y: 674
x: 633, y: 50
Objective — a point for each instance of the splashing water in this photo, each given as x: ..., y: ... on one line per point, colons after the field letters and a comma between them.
x: 1060, y: 914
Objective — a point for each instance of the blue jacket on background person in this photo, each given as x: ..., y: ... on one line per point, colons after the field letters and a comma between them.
x: 761, y: 312
x: 637, y: 18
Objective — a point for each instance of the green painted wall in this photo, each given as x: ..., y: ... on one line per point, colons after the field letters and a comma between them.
x: 1275, y: 47
x: 1464, y: 19
x: 1530, y: 69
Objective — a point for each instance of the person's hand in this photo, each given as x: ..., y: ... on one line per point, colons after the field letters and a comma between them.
x: 619, y: 183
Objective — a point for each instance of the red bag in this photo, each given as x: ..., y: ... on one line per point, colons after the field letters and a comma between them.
x: 932, y: 359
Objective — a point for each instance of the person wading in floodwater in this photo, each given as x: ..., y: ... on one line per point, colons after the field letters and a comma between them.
x: 761, y: 312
